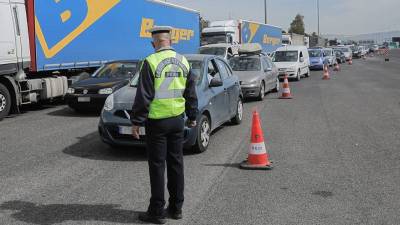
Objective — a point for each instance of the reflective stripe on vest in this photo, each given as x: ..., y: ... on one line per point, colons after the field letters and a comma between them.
x: 163, y: 91
x: 170, y: 71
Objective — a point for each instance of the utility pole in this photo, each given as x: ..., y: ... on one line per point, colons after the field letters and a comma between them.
x: 318, y: 15
x: 265, y: 11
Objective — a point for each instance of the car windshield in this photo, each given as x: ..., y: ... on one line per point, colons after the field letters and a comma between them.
x: 220, y: 51
x: 344, y: 49
x: 117, y: 70
x: 315, y: 53
x: 354, y: 48
x: 285, y: 56
x: 327, y: 52
x: 245, y: 64
x: 213, y: 39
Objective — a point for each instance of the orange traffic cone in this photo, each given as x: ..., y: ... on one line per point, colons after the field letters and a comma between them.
x: 258, y: 158
x: 351, y: 61
x: 326, y: 74
x: 286, y: 89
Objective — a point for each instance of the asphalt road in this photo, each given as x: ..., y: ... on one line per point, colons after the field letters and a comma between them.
x: 335, y: 149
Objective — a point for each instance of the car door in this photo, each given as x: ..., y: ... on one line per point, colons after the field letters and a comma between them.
x: 219, y: 96
x: 272, y: 74
x: 266, y: 70
x: 230, y: 86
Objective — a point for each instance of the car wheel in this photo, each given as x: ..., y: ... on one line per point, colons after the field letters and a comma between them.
x: 239, y: 113
x: 262, y: 92
x: 298, y: 77
x: 277, y: 86
x: 308, y: 73
x: 203, y: 135
x: 5, y: 101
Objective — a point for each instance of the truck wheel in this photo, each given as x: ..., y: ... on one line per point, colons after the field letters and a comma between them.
x: 5, y: 101
x: 203, y: 135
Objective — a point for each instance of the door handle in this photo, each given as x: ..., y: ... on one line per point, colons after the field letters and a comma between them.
x: 11, y: 52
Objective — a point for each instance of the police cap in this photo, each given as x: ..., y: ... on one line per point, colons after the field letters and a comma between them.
x: 160, y: 29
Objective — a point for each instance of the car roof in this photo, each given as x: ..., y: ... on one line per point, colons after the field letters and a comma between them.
x: 199, y: 57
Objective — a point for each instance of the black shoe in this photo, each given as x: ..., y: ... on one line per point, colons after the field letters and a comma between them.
x: 174, y: 214
x: 145, y: 217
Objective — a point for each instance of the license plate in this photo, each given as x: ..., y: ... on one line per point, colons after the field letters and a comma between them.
x: 83, y: 99
x: 128, y: 130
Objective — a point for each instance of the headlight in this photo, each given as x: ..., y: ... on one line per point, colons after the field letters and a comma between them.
x: 106, y: 91
x: 71, y: 91
x: 109, y: 104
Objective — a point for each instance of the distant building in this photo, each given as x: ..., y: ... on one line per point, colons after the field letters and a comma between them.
x: 366, y: 42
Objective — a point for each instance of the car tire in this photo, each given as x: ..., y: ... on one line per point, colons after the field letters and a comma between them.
x: 298, y: 77
x: 308, y: 73
x: 203, y: 135
x: 261, y: 95
x: 239, y: 113
x: 5, y: 101
x: 277, y: 86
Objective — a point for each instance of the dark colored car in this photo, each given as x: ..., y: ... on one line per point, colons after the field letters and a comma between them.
x: 220, y: 101
x: 340, y: 57
x: 91, y: 93
x: 257, y: 74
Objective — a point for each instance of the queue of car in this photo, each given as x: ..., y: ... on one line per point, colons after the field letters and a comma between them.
x: 225, y: 78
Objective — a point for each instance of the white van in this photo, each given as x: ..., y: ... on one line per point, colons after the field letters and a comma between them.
x: 293, y: 61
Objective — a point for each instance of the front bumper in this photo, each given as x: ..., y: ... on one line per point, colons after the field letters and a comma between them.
x: 291, y: 74
x: 108, y: 129
x: 96, y: 101
x: 250, y: 91
x: 316, y: 66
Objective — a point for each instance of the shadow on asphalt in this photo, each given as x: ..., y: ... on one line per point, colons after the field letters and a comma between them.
x: 230, y: 165
x: 91, y: 147
x: 32, y: 213
x: 68, y: 112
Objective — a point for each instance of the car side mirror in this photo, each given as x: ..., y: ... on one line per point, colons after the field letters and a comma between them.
x: 301, y: 59
x: 267, y: 69
x: 215, y: 82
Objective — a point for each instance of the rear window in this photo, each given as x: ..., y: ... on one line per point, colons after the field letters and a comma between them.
x: 245, y: 64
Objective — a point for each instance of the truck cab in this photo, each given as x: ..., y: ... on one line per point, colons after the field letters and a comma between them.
x: 219, y: 32
x: 225, y: 51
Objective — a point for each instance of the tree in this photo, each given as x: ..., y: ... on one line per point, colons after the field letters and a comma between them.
x: 297, y: 25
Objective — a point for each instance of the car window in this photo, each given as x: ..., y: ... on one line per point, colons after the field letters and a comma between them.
x: 196, y: 68
x: 270, y: 63
x: 213, y: 71
x: 264, y: 64
x: 223, y: 70
x: 117, y: 70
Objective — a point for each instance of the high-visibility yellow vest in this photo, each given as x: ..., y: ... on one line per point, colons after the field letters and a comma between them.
x: 170, y: 71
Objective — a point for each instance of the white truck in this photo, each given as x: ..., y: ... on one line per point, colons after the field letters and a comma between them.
x: 295, y: 39
x: 229, y: 34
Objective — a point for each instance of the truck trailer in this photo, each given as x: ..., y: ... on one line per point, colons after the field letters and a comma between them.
x: 236, y: 32
x: 43, y: 43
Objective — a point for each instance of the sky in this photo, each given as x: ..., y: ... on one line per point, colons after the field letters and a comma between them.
x: 347, y: 17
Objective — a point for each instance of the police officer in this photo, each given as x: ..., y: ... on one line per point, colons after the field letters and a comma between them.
x: 165, y: 92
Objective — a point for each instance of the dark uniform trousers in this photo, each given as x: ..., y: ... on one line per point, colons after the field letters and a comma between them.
x: 164, y: 140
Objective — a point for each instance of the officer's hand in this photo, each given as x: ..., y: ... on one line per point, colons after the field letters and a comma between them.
x: 135, y: 132
x: 191, y: 124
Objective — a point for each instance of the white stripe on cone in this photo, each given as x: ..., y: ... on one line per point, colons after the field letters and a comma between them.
x: 286, y: 90
x: 257, y: 149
